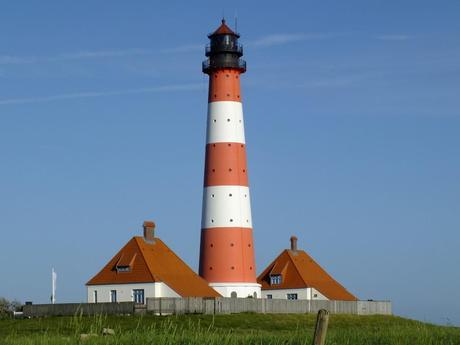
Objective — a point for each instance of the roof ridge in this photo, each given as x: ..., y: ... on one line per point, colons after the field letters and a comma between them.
x: 270, y: 266
x: 154, y: 277
x: 324, y: 271
x: 150, y: 269
x: 169, y: 279
x: 291, y: 259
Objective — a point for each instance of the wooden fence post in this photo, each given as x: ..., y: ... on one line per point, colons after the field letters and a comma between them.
x: 322, y: 322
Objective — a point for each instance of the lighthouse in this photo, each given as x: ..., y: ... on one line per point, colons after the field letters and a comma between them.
x: 227, y: 246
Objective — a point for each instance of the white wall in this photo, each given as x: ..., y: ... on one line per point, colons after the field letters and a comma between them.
x: 242, y: 290
x: 125, y: 291
x: 305, y: 293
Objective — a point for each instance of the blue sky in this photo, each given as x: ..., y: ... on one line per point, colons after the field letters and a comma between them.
x: 352, y: 125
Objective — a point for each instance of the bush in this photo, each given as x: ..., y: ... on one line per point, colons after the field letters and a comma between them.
x: 8, y: 307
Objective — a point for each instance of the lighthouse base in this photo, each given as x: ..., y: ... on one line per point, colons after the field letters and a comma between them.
x: 242, y: 290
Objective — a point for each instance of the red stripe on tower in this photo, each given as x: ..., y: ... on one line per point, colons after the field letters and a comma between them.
x: 227, y: 247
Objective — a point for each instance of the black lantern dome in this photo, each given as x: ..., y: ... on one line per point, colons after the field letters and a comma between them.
x: 224, y: 51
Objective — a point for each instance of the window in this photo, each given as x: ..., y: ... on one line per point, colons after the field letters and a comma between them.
x: 291, y: 296
x: 315, y: 295
x: 123, y: 269
x: 95, y: 296
x: 138, y: 296
x: 113, y: 296
x: 275, y: 279
x: 269, y: 296
x: 233, y: 294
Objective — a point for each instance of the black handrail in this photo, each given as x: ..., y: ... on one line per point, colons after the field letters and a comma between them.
x: 238, y: 64
x: 224, y: 48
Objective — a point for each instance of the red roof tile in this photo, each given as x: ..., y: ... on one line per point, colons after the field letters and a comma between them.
x: 299, y: 270
x: 153, y: 262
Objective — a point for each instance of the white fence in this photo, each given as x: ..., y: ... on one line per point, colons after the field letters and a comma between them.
x: 222, y: 305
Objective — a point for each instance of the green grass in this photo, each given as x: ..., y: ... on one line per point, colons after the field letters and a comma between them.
x: 225, y: 329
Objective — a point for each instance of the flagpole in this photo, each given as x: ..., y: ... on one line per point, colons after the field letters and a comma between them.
x: 53, y: 286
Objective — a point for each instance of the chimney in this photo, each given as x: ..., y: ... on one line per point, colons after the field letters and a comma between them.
x: 293, y: 243
x: 149, y: 231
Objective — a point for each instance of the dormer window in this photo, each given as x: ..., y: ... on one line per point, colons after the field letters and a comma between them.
x: 123, y: 268
x: 125, y: 263
x: 275, y: 279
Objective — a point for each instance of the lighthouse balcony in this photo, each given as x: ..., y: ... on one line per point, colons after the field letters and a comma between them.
x: 224, y: 48
x: 209, y: 65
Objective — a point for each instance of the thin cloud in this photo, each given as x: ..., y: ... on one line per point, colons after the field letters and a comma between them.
x: 186, y: 48
x: 396, y: 37
x: 16, y: 60
x: 266, y: 41
x: 279, y: 39
x: 102, y: 54
x: 83, y: 55
x: 158, y: 89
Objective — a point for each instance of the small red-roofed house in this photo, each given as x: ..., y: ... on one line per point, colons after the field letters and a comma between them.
x: 295, y: 275
x: 146, y: 267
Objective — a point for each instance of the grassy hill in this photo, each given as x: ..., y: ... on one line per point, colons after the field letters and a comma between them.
x: 225, y: 329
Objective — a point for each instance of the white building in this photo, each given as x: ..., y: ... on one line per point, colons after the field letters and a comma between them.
x: 146, y: 267
x: 295, y: 275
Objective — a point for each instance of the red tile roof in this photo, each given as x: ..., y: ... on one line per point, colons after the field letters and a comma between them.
x: 153, y: 262
x: 299, y: 270
x: 223, y: 29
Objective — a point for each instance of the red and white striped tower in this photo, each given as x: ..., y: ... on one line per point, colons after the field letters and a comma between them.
x: 227, y: 246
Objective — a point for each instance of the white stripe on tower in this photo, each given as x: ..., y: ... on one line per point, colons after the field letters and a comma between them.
x: 225, y: 122
x: 226, y: 207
